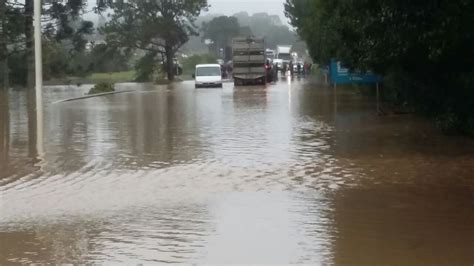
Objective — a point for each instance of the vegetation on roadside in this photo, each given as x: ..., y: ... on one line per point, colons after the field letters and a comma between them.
x: 102, y: 87
x: 423, y: 49
x: 62, y: 27
x: 189, y: 64
x: 94, y: 78
x: 113, y: 76
x: 158, y: 29
x: 219, y: 31
x: 141, y: 34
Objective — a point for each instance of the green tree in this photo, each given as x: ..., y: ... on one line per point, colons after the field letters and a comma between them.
x: 158, y: 27
x: 243, y: 18
x: 424, y: 48
x: 57, y: 22
x: 3, y: 46
x: 104, y: 59
x: 269, y: 27
x: 58, y: 16
x: 11, y: 43
x: 221, y: 30
x: 279, y: 35
x: 316, y: 22
x: 189, y: 64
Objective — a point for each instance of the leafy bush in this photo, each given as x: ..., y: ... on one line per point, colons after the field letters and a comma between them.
x: 146, y: 67
x: 105, y: 59
x: 470, y: 126
x: 102, y: 87
x: 423, y: 48
x: 189, y: 64
x: 449, y: 123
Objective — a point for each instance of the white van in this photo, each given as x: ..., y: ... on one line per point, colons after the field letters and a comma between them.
x: 208, y: 76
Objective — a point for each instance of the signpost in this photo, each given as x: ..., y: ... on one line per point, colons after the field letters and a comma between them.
x: 342, y: 75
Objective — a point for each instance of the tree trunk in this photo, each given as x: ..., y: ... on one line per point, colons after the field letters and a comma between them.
x: 4, y: 106
x: 30, y: 77
x: 29, y: 44
x: 170, y: 69
x: 4, y: 133
x: 3, y: 48
x: 32, y: 130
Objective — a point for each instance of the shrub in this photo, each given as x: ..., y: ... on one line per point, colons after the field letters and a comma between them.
x: 449, y: 123
x: 189, y: 64
x: 102, y: 87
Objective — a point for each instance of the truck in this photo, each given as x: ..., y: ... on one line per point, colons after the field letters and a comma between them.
x: 249, y: 61
x: 283, y: 54
x: 270, y: 54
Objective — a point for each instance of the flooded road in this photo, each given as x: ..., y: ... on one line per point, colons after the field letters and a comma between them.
x: 290, y: 173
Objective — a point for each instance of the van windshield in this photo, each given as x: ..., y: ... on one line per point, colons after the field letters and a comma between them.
x: 208, y: 71
x: 284, y: 56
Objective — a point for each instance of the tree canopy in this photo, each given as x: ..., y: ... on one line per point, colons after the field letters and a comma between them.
x: 221, y: 30
x: 215, y: 26
x: 61, y: 24
x: 425, y: 47
x: 159, y: 28
x: 269, y: 27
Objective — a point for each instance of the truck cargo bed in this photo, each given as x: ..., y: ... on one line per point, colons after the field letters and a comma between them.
x: 249, y: 61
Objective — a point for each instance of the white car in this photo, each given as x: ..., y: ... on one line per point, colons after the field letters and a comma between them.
x: 209, y: 75
x: 278, y: 63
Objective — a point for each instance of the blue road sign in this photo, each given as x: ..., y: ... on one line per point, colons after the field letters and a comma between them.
x: 342, y: 75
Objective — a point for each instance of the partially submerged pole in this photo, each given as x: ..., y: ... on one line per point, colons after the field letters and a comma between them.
x: 38, y: 76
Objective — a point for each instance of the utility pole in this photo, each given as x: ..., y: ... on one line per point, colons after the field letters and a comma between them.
x: 38, y: 51
x: 38, y: 76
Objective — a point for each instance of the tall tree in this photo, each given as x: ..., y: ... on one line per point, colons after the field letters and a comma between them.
x: 4, y: 106
x: 3, y: 46
x: 57, y: 24
x: 243, y: 18
x: 29, y: 44
x: 221, y: 30
x: 424, y: 48
x: 159, y: 27
x: 268, y: 27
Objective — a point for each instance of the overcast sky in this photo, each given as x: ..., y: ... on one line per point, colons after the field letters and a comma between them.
x: 229, y: 7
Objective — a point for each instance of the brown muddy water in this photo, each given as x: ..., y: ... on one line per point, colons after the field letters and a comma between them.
x: 288, y: 173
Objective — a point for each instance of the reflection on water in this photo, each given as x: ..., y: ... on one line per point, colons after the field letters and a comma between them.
x: 288, y: 173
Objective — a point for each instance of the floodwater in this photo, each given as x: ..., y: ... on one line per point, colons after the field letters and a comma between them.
x: 288, y: 173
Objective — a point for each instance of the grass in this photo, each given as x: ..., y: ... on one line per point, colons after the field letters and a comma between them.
x: 102, y: 87
x: 114, y: 77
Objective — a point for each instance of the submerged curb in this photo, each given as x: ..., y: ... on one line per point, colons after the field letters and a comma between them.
x: 92, y: 96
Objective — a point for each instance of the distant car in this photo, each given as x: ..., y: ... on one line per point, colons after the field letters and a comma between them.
x: 278, y: 63
x: 295, y: 67
x: 209, y: 75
